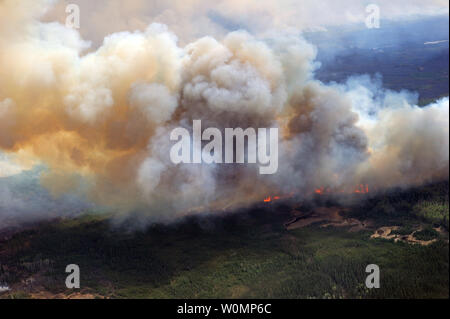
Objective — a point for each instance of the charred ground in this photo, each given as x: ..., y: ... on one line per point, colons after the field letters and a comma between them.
x: 245, y: 254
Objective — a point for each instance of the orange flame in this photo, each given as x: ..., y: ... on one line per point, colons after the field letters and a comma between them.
x: 359, y: 189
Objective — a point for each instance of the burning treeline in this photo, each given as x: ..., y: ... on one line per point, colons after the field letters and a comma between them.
x: 100, y: 119
x: 359, y: 189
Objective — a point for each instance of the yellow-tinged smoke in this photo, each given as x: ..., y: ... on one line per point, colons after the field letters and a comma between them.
x: 99, y: 119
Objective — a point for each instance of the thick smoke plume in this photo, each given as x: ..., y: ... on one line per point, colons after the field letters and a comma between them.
x: 99, y: 119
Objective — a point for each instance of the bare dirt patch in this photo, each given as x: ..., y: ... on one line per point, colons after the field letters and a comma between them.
x: 386, y: 233
x: 74, y: 295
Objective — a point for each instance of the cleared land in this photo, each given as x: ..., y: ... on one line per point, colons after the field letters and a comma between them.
x: 246, y: 254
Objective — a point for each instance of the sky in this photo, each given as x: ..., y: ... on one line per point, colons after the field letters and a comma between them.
x: 190, y: 19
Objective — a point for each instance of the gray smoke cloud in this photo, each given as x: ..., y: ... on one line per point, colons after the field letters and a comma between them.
x: 99, y: 118
x: 192, y: 19
x: 24, y: 200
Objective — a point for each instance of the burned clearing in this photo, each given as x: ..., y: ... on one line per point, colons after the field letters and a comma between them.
x: 267, y: 251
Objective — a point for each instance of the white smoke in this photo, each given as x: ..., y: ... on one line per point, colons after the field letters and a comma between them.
x: 100, y: 119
